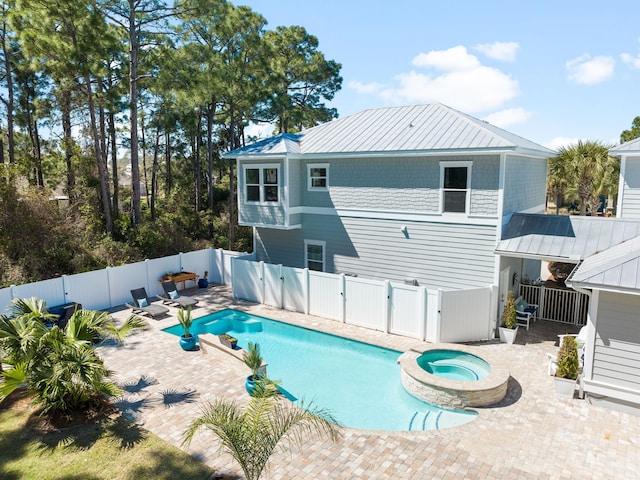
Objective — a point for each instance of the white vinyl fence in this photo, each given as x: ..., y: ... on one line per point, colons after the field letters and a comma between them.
x: 557, y: 304
x: 425, y: 314
x: 110, y: 287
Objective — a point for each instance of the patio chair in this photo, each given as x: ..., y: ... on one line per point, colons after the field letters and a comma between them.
x: 525, y: 312
x: 172, y: 297
x: 143, y: 306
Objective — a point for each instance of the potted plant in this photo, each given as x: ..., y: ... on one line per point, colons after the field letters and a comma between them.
x: 568, y: 367
x: 254, y: 361
x: 509, y: 327
x: 228, y: 340
x: 187, y: 340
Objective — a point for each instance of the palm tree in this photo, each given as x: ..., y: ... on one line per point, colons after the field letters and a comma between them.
x: 589, y: 171
x: 251, y: 434
x: 60, y: 367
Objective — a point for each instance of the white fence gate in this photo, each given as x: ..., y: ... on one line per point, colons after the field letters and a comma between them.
x: 557, y: 304
x: 425, y: 314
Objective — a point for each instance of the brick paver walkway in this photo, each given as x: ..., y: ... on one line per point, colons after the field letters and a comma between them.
x: 531, y: 434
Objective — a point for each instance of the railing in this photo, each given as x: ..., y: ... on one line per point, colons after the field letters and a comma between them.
x: 557, y: 304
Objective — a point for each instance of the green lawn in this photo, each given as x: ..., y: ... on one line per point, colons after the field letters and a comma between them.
x: 111, y: 448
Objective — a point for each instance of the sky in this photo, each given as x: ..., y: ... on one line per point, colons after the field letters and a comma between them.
x: 553, y: 72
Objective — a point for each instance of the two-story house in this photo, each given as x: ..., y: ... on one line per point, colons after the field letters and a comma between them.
x: 408, y: 194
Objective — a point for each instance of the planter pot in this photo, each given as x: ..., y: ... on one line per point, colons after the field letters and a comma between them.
x: 250, y: 383
x: 228, y: 341
x: 188, y: 343
x: 203, y: 283
x: 565, y: 387
x: 508, y: 335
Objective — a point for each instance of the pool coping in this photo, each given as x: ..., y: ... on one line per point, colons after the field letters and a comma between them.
x: 453, y: 393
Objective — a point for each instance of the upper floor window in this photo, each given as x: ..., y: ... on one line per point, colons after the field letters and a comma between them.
x: 314, y: 255
x: 318, y: 176
x: 261, y: 183
x: 455, y: 185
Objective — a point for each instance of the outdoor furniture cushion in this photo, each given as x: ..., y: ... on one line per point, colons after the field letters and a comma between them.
x: 140, y: 298
x: 172, y: 297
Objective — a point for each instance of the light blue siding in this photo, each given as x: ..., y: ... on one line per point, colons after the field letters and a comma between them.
x: 295, y: 182
x: 440, y: 255
x: 252, y: 214
x: 617, y: 346
x: 525, y: 184
x: 631, y: 193
x: 410, y: 184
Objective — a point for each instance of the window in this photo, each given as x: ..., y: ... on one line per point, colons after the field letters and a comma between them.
x: 314, y: 255
x: 318, y: 176
x: 455, y: 183
x: 261, y: 184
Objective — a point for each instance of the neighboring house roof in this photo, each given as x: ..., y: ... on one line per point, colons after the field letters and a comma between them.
x: 628, y: 148
x: 617, y: 268
x: 563, y: 238
x: 429, y: 128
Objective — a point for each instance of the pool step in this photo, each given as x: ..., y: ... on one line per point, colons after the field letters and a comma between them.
x: 429, y: 420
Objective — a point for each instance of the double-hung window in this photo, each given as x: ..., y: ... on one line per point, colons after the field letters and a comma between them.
x: 314, y: 252
x: 318, y: 176
x: 455, y: 186
x: 261, y: 183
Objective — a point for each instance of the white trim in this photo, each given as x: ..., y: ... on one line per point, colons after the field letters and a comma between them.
x: 318, y: 243
x: 501, y: 224
x: 467, y: 201
x: 310, y: 187
x: 285, y: 190
x: 261, y: 185
x: 402, y: 216
x: 621, y: 182
x: 268, y: 225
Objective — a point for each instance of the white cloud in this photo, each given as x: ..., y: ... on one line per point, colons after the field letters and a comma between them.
x: 557, y: 142
x: 590, y: 71
x: 453, y: 59
x: 366, y: 87
x: 479, y: 89
x: 507, y: 117
x: 504, y: 51
x: 631, y: 60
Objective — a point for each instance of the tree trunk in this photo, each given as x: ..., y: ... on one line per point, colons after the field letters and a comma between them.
x: 168, y: 180
x: 196, y: 159
x: 9, y: 103
x: 210, y: 116
x: 144, y: 161
x: 133, y: 113
x: 67, y: 142
x: 154, y: 176
x: 104, y: 188
x: 114, y: 165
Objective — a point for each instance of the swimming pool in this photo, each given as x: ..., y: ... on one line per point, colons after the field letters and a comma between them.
x: 359, y: 383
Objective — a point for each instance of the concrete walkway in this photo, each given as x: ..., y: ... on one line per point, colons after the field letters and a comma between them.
x: 531, y: 434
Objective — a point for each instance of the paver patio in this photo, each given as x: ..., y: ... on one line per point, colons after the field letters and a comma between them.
x: 531, y: 434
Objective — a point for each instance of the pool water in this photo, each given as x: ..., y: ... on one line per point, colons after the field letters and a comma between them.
x: 454, y: 365
x: 357, y: 382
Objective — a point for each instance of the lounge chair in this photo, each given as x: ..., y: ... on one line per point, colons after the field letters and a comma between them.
x: 143, y: 306
x: 172, y: 297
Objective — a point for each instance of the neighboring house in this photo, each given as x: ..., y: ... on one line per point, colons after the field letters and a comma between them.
x: 611, y: 276
x: 415, y: 194
x: 629, y: 188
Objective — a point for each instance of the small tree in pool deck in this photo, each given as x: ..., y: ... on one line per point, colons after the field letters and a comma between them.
x: 568, y: 363
x: 509, y: 318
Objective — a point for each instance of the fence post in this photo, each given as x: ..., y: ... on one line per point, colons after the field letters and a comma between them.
x: 281, y: 286
x: 306, y: 291
x: 233, y: 291
x: 343, y: 294
x: 387, y: 310
x: 262, y: 281
x: 541, y: 306
x: 422, y: 313
x: 222, y: 268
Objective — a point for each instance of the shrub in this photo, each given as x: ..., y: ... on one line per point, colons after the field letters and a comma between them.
x: 568, y: 364
x: 509, y: 318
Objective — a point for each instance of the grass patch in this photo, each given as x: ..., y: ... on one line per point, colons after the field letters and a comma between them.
x: 107, y: 447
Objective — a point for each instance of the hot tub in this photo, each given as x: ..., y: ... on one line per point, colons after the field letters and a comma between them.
x: 453, y: 376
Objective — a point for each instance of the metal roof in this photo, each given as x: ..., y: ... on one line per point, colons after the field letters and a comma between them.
x: 563, y: 238
x: 414, y: 128
x: 627, y: 148
x: 617, y: 268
